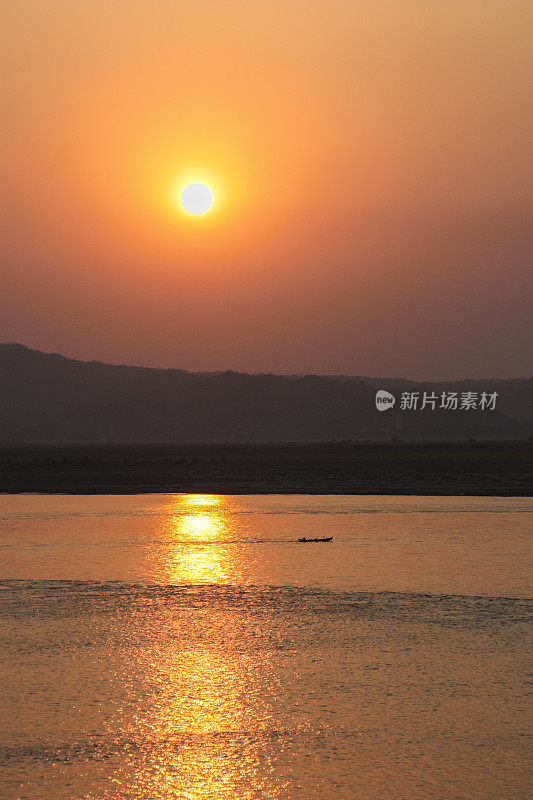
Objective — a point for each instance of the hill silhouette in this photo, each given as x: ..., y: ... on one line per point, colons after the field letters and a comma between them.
x: 47, y: 398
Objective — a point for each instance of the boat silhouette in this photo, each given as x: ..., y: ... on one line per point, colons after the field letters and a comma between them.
x: 326, y: 539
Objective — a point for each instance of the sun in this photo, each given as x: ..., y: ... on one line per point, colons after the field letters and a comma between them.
x: 196, y: 198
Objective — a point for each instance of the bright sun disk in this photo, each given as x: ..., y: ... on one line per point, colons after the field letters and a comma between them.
x: 196, y: 198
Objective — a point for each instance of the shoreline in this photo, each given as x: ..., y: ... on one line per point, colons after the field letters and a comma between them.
x: 440, y: 469
x: 122, y: 491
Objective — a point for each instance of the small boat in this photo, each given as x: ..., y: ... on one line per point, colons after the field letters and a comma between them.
x: 327, y: 539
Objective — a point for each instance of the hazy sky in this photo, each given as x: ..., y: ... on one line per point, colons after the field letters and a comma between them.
x: 370, y: 166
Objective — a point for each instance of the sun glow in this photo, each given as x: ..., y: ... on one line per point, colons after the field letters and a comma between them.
x: 199, y: 194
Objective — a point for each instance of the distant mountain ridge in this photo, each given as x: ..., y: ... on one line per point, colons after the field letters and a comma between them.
x: 48, y: 398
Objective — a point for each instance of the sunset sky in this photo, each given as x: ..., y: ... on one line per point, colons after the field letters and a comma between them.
x: 369, y: 165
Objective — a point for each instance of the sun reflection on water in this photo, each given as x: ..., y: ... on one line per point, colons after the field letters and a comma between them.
x: 202, y: 710
x: 199, y: 531
x: 205, y: 500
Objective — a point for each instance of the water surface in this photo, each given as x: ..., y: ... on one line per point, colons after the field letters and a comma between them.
x: 187, y: 646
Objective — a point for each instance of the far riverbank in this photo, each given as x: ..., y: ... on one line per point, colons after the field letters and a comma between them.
x: 420, y: 468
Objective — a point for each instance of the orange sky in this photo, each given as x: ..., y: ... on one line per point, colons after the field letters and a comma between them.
x: 370, y: 168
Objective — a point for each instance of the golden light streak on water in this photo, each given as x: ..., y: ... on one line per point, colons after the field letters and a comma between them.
x: 199, y: 522
x: 202, y: 699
